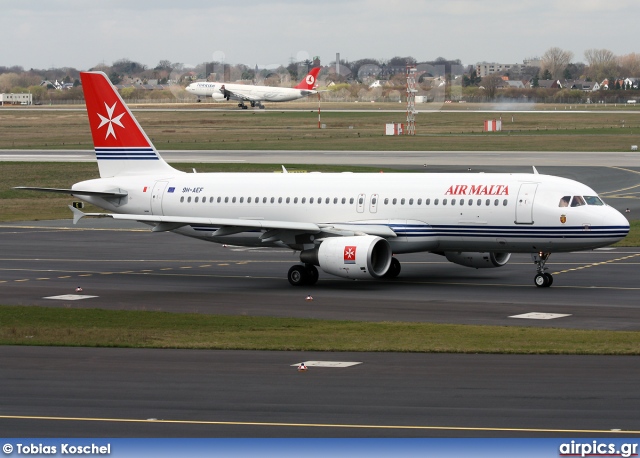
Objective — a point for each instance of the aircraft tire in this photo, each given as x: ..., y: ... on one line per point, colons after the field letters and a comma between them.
x: 297, y: 275
x: 542, y: 281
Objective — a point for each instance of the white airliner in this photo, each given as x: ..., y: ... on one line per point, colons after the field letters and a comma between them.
x: 255, y: 95
x: 350, y: 225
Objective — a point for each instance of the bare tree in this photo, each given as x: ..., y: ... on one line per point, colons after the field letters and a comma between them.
x: 490, y: 84
x: 602, y: 63
x: 556, y: 60
x: 629, y: 65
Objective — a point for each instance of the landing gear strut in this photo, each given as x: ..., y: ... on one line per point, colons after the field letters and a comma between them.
x: 257, y: 104
x: 242, y: 105
x: 306, y: 275
x: 542, y: 279
x: 394, y: 269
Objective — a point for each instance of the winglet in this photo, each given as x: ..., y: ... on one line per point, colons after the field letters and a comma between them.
x: 77, y: 214
x: 535, y: 171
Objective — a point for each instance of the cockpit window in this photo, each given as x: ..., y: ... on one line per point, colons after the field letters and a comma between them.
x: 577, y: 201
x: 593, y: 200
x: 564, y: 202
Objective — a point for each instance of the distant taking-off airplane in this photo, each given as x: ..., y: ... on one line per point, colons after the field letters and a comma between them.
x: 349, y: 225
x: 255, y: 95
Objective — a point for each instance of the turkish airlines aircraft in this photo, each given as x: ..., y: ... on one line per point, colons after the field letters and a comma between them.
x: 255, y: 95
x: 349, y: 225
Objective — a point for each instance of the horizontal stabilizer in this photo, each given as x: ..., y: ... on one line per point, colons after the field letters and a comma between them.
x: 77, y: 192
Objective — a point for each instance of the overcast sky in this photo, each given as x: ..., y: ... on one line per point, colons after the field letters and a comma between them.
x: 83, y: 33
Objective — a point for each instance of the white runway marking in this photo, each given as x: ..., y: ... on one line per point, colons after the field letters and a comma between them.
x: 70, y: 297
x: 328, y: 363
x: 540, y: 316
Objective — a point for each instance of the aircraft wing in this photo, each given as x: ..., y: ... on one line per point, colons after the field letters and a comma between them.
x: 235, y: 95
x: 276, y: 230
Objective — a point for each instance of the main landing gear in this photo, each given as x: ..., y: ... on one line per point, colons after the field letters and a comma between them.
x: 257, y: 104
x: 242, y: 105
x: 303, y: 275
x: 542, y: 279
x: 394, y: 269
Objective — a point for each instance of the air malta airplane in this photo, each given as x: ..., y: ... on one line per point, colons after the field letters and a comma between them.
x: 348, y: 225
x: 255, y: 95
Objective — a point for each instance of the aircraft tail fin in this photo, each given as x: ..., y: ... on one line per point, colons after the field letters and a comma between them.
x: 310, y: 81
x: 121, y: 146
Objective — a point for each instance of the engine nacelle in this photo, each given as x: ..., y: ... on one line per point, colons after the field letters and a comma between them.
x: 478, y: 260
x: 351, y: 257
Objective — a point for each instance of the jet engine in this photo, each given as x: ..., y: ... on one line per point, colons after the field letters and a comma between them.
x: 478, y: 260
x: 364, y: 256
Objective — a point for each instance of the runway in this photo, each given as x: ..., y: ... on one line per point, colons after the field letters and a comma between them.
x: 419, y: 159
x: 86, y: 392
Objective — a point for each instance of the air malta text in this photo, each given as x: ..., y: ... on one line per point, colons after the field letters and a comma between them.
x: 478, y: 190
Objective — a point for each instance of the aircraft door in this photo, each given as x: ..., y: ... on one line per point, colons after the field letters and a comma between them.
x: 361, y: 200
x: 524, y: 204
x: 373, y: 203
x: 156, y: 197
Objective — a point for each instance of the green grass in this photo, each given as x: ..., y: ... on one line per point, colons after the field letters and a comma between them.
x: 275, y: 129
x: 136, y: 329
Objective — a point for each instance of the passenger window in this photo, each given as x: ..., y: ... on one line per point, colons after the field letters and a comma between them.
x: 189, y: 199
x: 182, y: 199
x: 304, y: 200
x: 310, y: 200
x: 504, y: 203
x: 435, y: 202
x: 402, y: 201
x: 264, y: 200
x: 196, y: 200
x: 288, y: 199
x: 427, y: 201
x: 461, y: 201
x: 576, y: 202
x: 273, y: 199
x: 487, y: 203
x: 344, y: 201
x: 471, y: 202
x: 495, y: 202
x: 444, y: 201
x: 327, y: 200
x: 219, y: 199
x: 419, y: 202
x: 241, y: 199
x: 233, y: 200
x: 351, y: 201
x: 295, y: 200
x: 386, y: 201
x: 210, y: 200
x: 248, y: 200
x: 564, y: 202
x: 374, y: 201
x: 279, y: 200
x: 410, y: 201
x: 335, y: 200
x: 394, y: 201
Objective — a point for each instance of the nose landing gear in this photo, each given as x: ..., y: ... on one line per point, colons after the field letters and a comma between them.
x: 542, y: 279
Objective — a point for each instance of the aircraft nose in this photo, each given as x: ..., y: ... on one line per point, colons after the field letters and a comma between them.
x: 619, y: 221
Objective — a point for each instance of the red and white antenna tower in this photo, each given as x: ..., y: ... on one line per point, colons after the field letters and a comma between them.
x: 411, y: 100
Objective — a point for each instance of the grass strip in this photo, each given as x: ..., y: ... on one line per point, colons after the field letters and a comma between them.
x: 43, y: 326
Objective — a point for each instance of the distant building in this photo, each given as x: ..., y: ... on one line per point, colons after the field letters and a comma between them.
x: 16, y: 99
x: 488, y: 68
